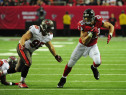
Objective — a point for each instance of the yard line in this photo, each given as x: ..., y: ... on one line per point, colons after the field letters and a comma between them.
x: 70, y: 49
x: 76, y: 81
x: 76, y: 74
x: 38, y: 57
x: 43, y: 60
x: 63, y: 43
x: 59, y: 89
x: 78, y: 64
x: 77, y: 69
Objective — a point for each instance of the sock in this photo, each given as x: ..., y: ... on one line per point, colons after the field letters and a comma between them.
x: 24, y: 71
x: 22, y: 79
x: 10, y: 70
x: 66, y: 71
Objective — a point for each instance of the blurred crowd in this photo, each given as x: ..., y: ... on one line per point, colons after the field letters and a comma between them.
x: 62, y: 2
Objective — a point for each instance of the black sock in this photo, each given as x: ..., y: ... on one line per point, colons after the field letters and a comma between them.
x: 11, y: 70
x: 24, y: 71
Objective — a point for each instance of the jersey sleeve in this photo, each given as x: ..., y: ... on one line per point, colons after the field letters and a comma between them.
x: 99, y: 20
x: 33, y: 29
x: 51, y: 37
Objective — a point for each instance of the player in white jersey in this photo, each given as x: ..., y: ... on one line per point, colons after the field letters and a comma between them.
x: 5, y: 64
x: 34, y: 38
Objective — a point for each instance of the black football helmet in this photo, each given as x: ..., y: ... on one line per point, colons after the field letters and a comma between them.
x: 88, y: 16
x: 12, y: 60
x: 47, y: 25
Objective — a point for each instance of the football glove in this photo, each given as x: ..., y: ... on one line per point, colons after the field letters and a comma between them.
x: 109, y: 37
x: 58, y: 58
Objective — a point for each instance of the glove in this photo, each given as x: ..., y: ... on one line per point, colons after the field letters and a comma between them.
x: 58, y: 58
x: 109, y: 38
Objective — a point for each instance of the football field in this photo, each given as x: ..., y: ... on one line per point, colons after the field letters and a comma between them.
x: 46, y: 72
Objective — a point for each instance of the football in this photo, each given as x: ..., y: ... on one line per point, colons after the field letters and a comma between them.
x: 95, y: 32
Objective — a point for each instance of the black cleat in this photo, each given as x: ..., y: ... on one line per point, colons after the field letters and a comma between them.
x: 95, y: 72
x: 61, y: 82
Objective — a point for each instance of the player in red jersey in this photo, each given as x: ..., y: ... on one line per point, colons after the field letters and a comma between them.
x: 89, y: 29
x: 5, y: 65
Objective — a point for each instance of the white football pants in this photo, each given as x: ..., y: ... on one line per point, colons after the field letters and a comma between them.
x: 82, y: 50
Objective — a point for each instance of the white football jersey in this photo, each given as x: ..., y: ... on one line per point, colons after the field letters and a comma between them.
x: 38, y: 40
x: 4, y: 65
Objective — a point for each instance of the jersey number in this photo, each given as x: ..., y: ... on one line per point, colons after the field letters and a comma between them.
x: 36, y: 44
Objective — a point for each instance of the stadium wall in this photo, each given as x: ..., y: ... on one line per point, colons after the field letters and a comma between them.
x: 16, y: 17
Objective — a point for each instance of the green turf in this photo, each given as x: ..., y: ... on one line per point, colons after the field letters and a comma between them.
x: 46, y: 72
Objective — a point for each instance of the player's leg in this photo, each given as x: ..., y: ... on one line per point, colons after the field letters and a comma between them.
x: 95, y: 55
x: 25, y: 56
x: 77, y: 53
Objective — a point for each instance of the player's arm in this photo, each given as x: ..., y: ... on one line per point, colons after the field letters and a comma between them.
x: 52, y: 50
x: 109, y: 26
x: 25, y: 37
x: 86, y: 37
x: 3, y: 81
x: 111, y: 30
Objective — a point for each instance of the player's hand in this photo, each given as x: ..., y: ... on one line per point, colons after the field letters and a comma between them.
x: 22, y: 47
x: 58, y: 58
x: 109, y: 38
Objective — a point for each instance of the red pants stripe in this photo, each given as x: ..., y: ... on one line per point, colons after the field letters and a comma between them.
x: 24, y: 56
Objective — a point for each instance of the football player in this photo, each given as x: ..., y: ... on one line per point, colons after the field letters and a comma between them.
x: 5, y: 65
x: 35, y: 37
x: 89, y: 29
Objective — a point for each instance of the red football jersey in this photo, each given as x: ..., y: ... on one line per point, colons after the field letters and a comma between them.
x: 83, y: 27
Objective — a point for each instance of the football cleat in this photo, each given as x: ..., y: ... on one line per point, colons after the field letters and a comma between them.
x: 22, y: 85
x: 95, y: 72
x: 61, y: 82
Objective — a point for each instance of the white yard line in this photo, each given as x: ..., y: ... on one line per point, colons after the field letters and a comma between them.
x: 52, y: 64
x: 76, y: 68
x: 62, y: 89
x: 76, y: 81
x: 76, y: 74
